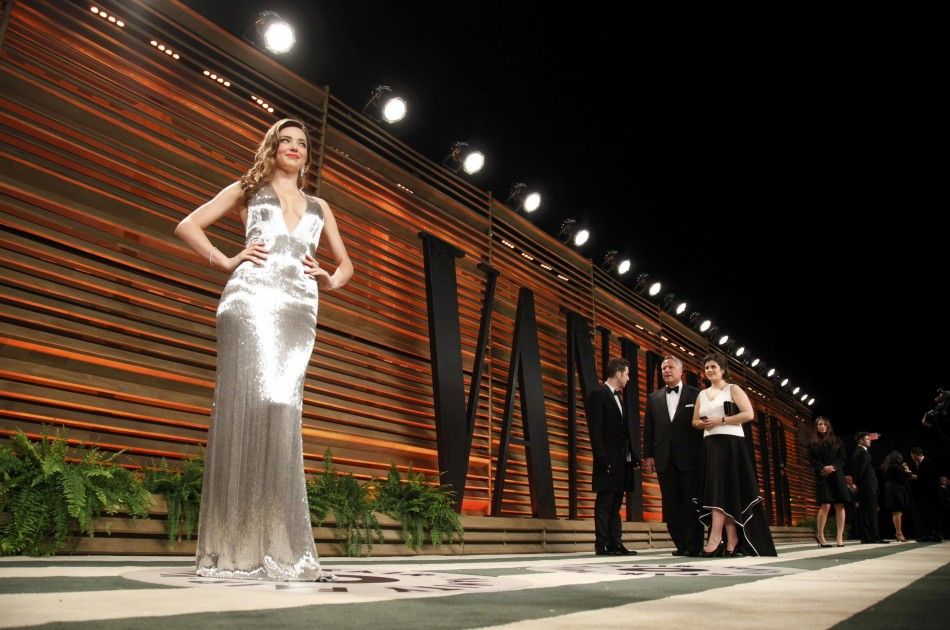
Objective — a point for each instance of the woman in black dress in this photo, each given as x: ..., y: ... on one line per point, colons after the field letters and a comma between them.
x: 896, y: 474
x: 826, y: 456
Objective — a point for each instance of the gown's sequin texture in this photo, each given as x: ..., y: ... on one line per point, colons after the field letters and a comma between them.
x: 255, y: 520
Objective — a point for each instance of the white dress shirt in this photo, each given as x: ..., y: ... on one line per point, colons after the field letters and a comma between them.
x: 673, y: 399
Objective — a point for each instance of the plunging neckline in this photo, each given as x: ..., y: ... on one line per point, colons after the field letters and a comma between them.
x: 708, y: 399
x: 283, y: 218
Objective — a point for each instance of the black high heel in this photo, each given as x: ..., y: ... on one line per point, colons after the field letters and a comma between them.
x: 821, y: 544
x: 718, y: 552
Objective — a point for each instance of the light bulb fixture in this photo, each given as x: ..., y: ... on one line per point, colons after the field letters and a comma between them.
x: 275, y: 32
x: 520, y: 198
x: 384, y: 106
x: 461, y: 157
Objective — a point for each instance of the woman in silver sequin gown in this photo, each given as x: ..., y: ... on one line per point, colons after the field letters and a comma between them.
x: 255, y: 520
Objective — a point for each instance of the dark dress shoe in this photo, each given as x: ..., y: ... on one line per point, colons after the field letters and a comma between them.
x: 736, y: 553
x: 691, y: 553
x: 882, y: 542
x: 606, y: 551
x: 719, y: 551
x: 679, y: 552
x: 620, y: 550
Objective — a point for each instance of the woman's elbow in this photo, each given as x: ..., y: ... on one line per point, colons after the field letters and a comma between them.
x: 182, y: 227
x: 347, y: 266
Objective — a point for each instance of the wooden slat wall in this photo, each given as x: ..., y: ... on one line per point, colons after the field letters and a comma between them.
x: 107, y: 322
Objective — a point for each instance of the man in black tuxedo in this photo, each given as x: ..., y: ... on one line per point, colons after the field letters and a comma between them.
x: 614, y: 457
x: 865, y: 478
x: 923, y: 486
x: 672, y: 447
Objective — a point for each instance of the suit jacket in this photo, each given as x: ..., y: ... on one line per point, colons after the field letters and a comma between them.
x: 862, y: 471
x: 826, y: 454
x: 925, y: 486
x: 609, y: 440
x: 673, y: 442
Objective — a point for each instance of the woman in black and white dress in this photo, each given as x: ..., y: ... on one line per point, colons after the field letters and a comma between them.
x: 730, y: 503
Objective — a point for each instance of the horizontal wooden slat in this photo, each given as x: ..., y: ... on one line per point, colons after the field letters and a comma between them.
x: 107, y: 321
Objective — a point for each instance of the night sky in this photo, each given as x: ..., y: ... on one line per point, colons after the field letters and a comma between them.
x: 768, y: 167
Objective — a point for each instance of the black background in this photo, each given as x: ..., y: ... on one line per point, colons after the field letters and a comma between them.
x: 772, y: 166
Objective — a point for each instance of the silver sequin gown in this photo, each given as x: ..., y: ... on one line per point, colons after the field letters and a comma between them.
x: 255, y: 520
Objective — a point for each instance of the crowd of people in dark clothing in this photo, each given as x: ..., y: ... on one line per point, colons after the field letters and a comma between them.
x: 851, y: 484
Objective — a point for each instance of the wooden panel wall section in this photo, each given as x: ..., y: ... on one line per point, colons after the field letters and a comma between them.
x: 110, y: 135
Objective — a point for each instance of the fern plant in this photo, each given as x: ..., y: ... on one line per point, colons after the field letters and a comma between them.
x: 420, y: 507
x: 331, y: 493
x: 42, y: 495
x: 182, y: 492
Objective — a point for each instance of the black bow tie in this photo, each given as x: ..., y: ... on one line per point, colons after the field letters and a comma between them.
x: 673, y: 390
x: 618, y: 392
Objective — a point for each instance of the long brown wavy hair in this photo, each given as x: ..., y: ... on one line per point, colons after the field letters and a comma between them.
x: 264, y: 160
x: 894, y: 458
x: 817, y: 439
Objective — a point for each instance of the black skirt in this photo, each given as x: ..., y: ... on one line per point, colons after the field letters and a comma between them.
x: 732, y: 487
x: 831, y: 488
x: 896, y: 497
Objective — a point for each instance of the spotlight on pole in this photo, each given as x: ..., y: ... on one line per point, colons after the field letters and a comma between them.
x: 384, y: 106
x: 274, y: 31
x: 569, y: 232
x: 644, y: 286
x: 460, y: 157
x: 697, y: 321
x: 613, y: 263
x: 520, y: 198
x: 702, y: 324
x: 674, y: 305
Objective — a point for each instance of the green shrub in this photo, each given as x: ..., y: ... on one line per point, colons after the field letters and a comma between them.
x: 342, y: 497
x: 421, y: 508
x: 182, y: 492
x: 43, y: 496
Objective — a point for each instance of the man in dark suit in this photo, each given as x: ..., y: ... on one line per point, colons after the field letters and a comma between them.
x: 614, y: 457
x: 923, y: 486
x: 865, y: 478
x: 851, y: 510
x: 672, y: 447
